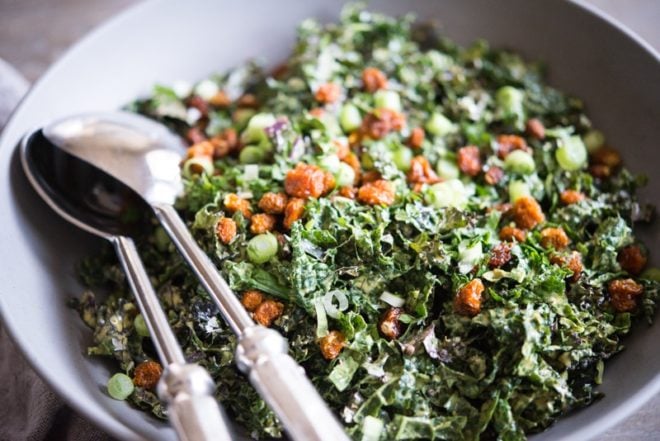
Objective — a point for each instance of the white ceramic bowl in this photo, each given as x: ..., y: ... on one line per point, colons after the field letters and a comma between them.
x: 163, y: 41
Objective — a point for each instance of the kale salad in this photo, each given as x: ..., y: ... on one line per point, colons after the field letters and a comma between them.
x: 445, y: 241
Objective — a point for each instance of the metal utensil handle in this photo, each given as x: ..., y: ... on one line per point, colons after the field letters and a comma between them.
x: 230, y: 307
x: 193, y: 410
x: 164, y: 340
x: 186, y: 388
x: 282, y: 383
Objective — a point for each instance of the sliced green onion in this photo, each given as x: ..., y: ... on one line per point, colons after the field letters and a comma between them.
x: 519, y: 161
x: 402, y: 158
x: 600, y: 368
x: 510, y: 100
x: 255, y: 133
x: 367, y: 161
x: 440, y: 125
x: 571, y: 153
x: 120, y: 386
x: 387, y: 99
x: 321, y: 319
x: 251, y: 154
x: 345, y: 175
x: 242, y: 116
x: 392, y: 300
x: 372, y: 428
x: 251, y: 172
x: 350, y: 118
x: 328, y: 303
x: 593, y: 140
x: 198, y: 165
x: 262, y: 248
x: 447, y: 169
x: 330, y: 163
x: 518, y: 189
x: 451, y: 193
x: 140, y: 326
x: 206, y: 89
x: 468, y: 256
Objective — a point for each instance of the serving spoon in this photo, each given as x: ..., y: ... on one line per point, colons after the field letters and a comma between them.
x: 97, y: 203
x: 144, y: 155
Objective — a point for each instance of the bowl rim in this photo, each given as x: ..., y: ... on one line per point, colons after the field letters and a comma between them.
x: 119, y: 429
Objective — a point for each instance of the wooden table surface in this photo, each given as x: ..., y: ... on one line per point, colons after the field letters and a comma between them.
x: 61, y: 22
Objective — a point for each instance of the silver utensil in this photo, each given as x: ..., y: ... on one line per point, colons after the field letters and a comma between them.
x: 90, y: 200
x: 145, y: 156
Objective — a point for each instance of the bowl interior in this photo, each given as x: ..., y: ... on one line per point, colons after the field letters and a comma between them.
x: 164, y: 41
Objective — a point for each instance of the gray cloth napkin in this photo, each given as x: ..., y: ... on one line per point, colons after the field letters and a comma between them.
x: 29, y: 410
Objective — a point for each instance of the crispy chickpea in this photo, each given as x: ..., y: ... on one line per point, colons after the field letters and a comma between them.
x: 224, y: 143
x: 328, y: 93
x: 329, y: 183
x: 575, y: 265
x: 500, y: 255
x: 572, y: 262
x: 262, y: 222
x: 225, y: 230
x: 204, y: 148
x: 468, y: 160
x: 220, y: 100
x: 348, y: 192
x: 234, y: 203
x: 373, y: 79
x: 389, y: 324
x: 147, y: 374
x: 510, y: 233
x: 568, y: 197
x: 527, y: 213
x: 606, y: 156
x: 416, y: 139
x: 305, y: 181
x: 494, y: 175
x: 554, y: 238
x: 273, y: 203
x: 332, y: 344
x: 421, y: 172
x: 267, y: 312
x: 294, y: 210
x: 248, y: 101
x: 252, y: 299
x: 508, y: 143
x: 382, y: 121
x: 379, y: 192
x: 535, y: 128
x: 468, y: 299
x: 600, y: 171
x: 624, y: 294
x: 632, y: 259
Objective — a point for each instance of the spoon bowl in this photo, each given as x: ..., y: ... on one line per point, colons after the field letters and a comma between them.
x: 141, y: 153
x: 86, y: 197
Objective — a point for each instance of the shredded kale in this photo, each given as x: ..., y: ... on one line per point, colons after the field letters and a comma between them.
x: 534, y: 350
